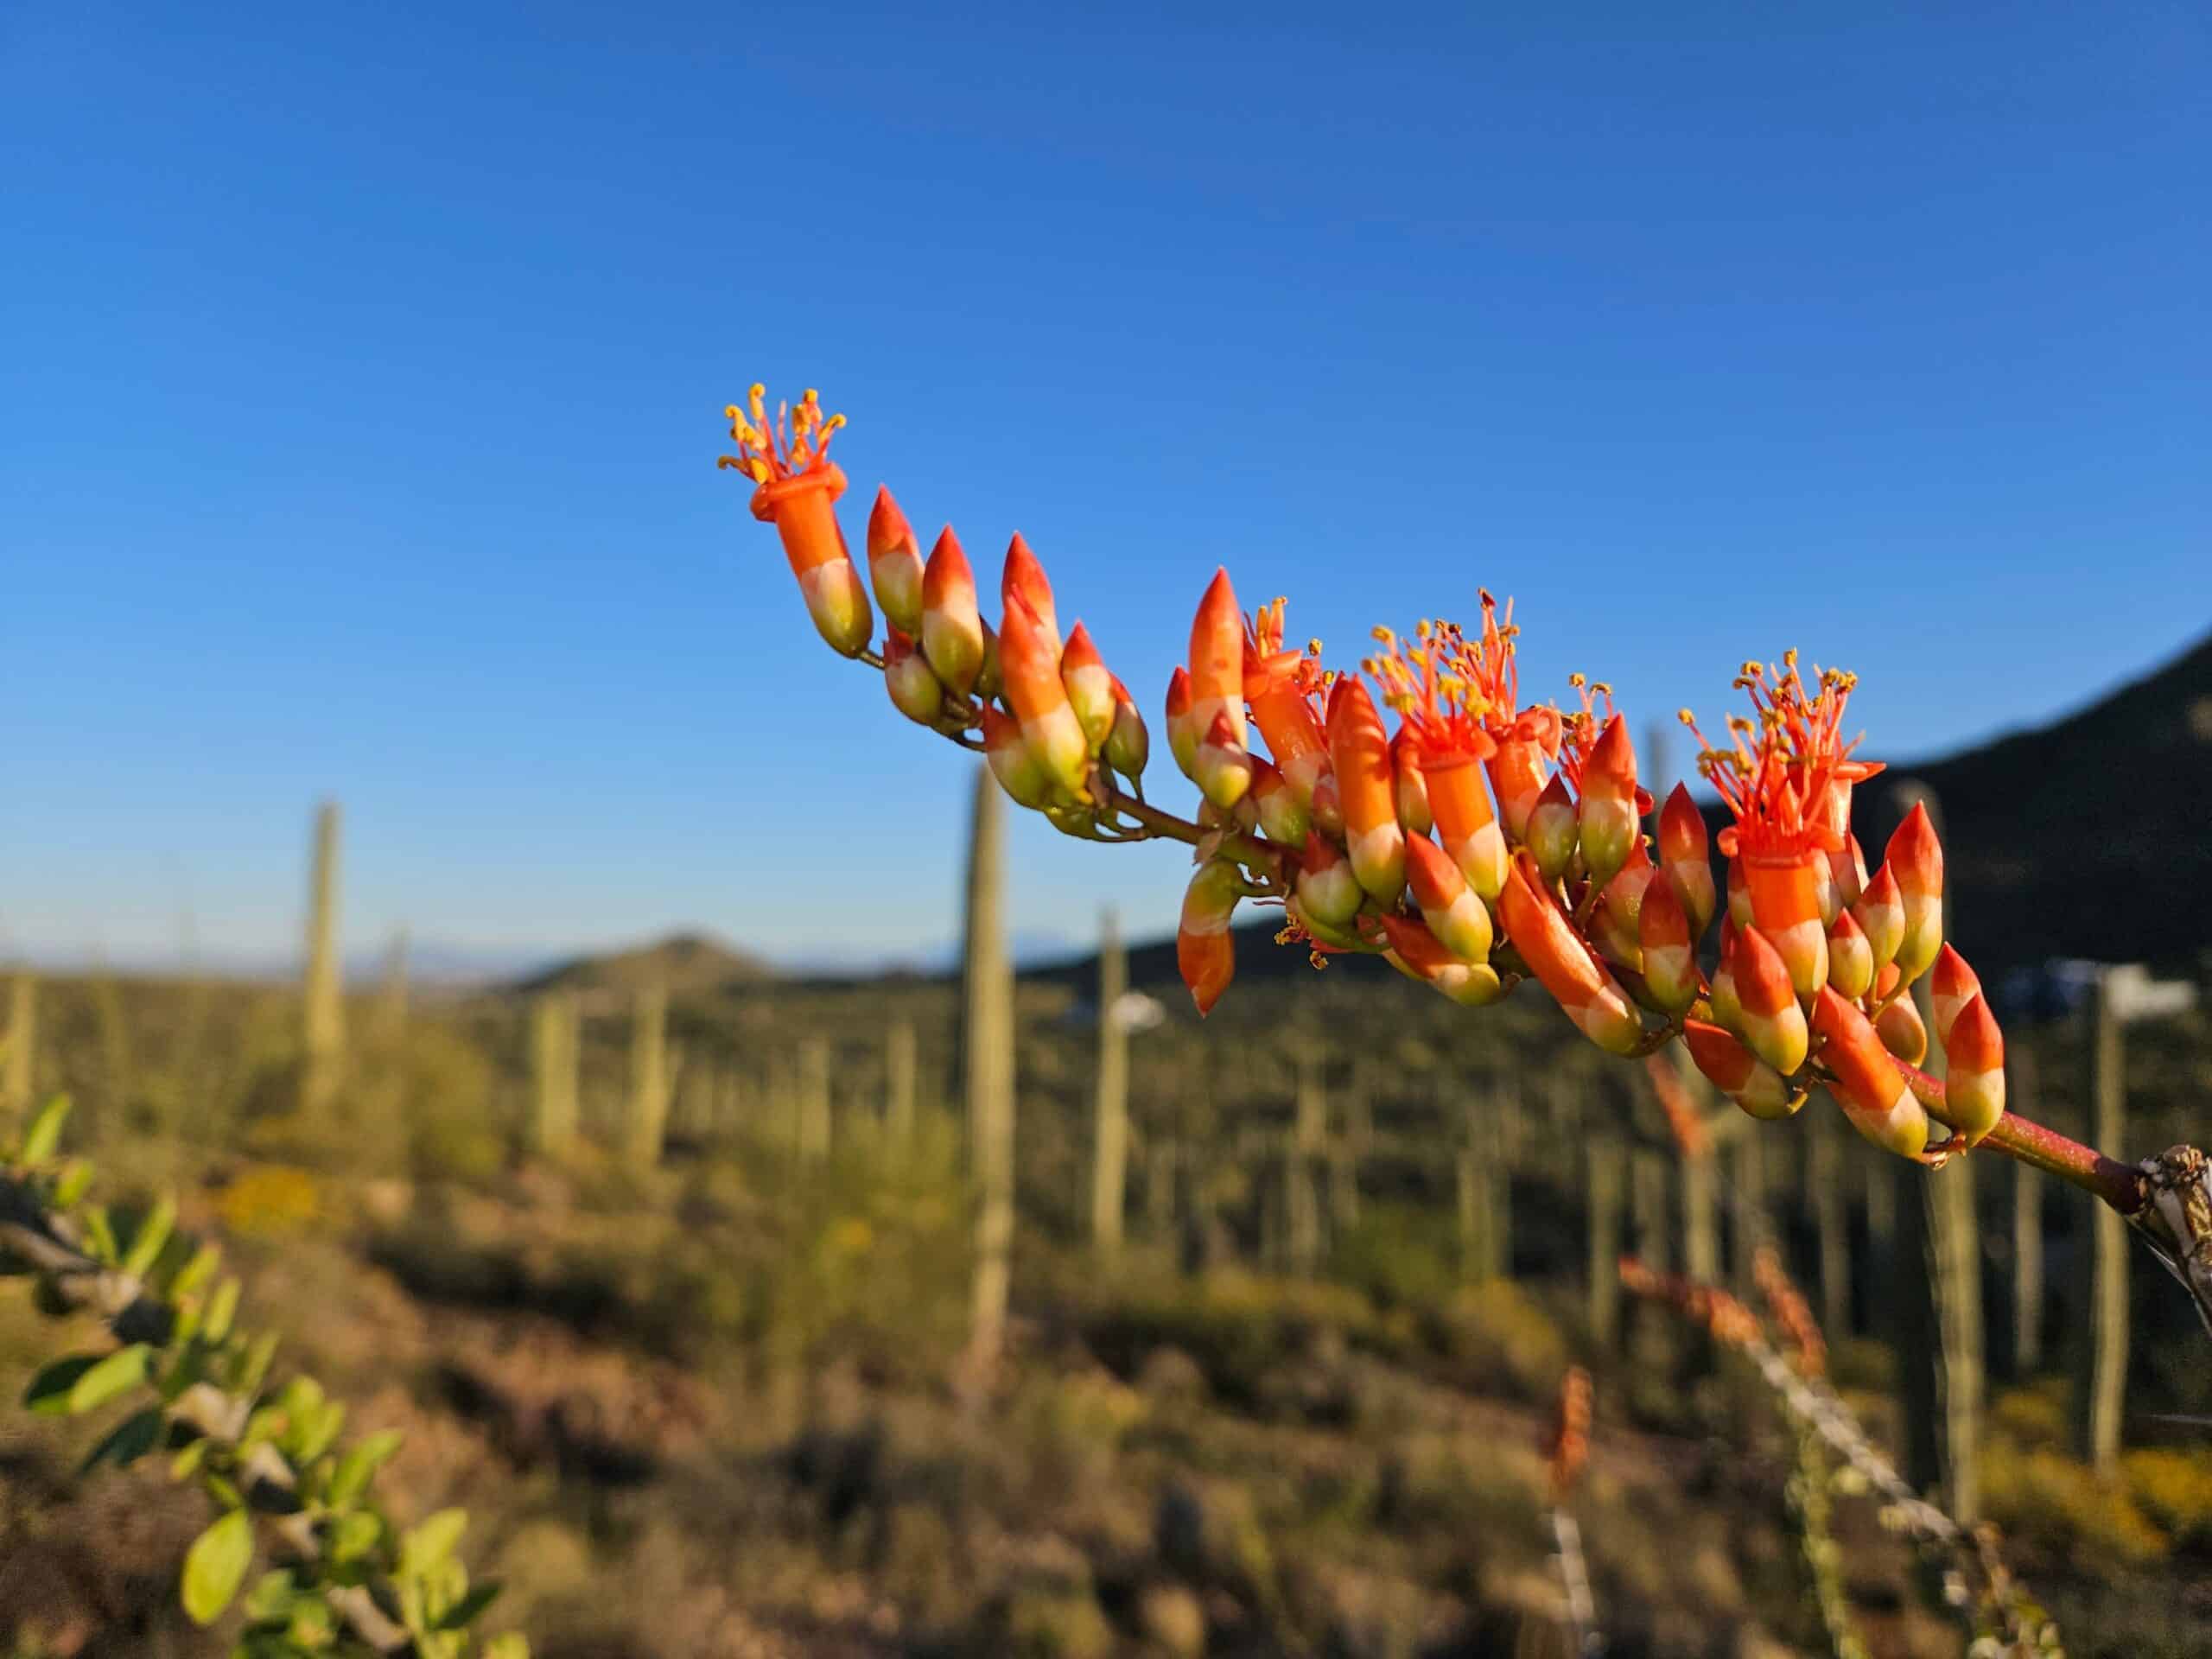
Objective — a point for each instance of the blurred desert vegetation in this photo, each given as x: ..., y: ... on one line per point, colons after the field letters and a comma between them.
x: 667, y: 1266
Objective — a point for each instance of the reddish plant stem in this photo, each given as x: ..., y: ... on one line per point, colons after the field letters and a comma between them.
x: 2119, y: 1184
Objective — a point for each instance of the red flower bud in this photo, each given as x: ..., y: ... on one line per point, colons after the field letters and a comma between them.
x: 1418, y: 954
x: 1182, y: 733
x: 1088, y: 686
x: 1738, y: 1073
x: 1411, y: 785
x: 1012, y: 763
x: 1222, y: 767
x: 1553, y: 829
x: 894, y: 564
x: 914, y: 690
x: 1327, y: 890
x: 952, y: 629
x: 1916, y: 856
x: 1880, y: 915
x: 1868, y: 1087
x: 1851, y: 959
x: 1951, y: 986
x: 1128, y: 745
x: 1282, y: 818
x: 1974, y: 1085
x: 1451, y: 909
x: 1359, y: 752
x: 1773, y: 1025
x: 1032, y: 659
x: 1024, y: 577
x: 1563, y: 964
x: 1217, y: 660
x: 1608, y: 814
x: 1669, y: 957
x: 1902, y: 1032
x: 1684, y: 854
x: 1204, y: 953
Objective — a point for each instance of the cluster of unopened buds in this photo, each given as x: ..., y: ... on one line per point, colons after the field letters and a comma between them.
x: 1483, y: 841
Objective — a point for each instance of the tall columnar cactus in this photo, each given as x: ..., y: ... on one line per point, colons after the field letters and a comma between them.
x: 1831, y: 1222
x: 1109, y: 1150
x: 1693, y: 1140
x: 554, y: 1054
x: 18, y: 1075
x: 901, y: 1082
x: 986, y: 1050
x: 392, y: 994
x: 1606, y: 1171
x: 1483, y: 819
x: 2101, y: 1362
x: 646, y: 1127
x: 323, y: 1035
x: 814, y: 1105
x: 1648, y: 1201
x: 1309, y: 1137
x: 2027, y: 1240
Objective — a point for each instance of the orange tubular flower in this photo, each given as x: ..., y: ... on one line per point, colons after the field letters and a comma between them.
x: 894, y: 564
x: 1868, y: 1086
x: 1685, y: 856
x: 1024, y: 575
x: 1773, y: 1023
x: 1182, y: 733
x: 1012, y: 763
x: 1030, y: 659
x: 952, y: 628
x: 1454, y: 914
x: 1609, y: 810
x: 797, y: 487
x: 1282, y: 818
x: 1438, y: 688
x: 1419, y: 954
x: 1917, y: 858
x: 1525, y: 741
x: 1204, y: 953
x: 1851, y: 959
x: 914, y: 690
x: 1738, y: 1073
x: 1281, y: 686
x: 1787, y: 777
x: 1562, y: 963
x: 1328, y: 891
x: 1217, y: 661
x: 1088, y: 686
x: 1951, y: 986
x: 1663, y: 934
x: 1359, y: 751
x: 1128, y: 745
x: 1974, y: 1085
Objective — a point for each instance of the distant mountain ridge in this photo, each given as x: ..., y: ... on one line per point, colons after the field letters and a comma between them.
x: 681, y: 964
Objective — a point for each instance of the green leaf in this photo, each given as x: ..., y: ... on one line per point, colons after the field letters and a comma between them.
x: 271, y: 1599
x: 315, y: 1437
x: 423, y: 1546
x: 153, y: 1229
x: 99, y: 1236
x: 197, y: 1271
x: 45, y: 1131
x: 48, y: 1393
x: 120, y: 1372
x: 128, y: 1441
x: 187, y: 1463
x: 314, y: 1626
x: 512, y: 1645
x: 222, y: 1308
x: 215, y: 1565
x: 359, y: 1466
x: 191, y: 1365
x: 470, y: 1608
x: 259, y: 1358
x: 72, y: 1184
x: 355, y: 1535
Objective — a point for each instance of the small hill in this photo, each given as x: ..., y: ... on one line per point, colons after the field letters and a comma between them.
x: 683, y: 963
x: 2089, y: 836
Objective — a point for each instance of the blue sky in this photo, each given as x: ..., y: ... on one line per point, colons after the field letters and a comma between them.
x: 364, y: 367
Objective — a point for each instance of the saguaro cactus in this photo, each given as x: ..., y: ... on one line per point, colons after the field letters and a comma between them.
x: 554, y: 1057
x: 2100, y: 1361
x: 1654, y: 1236
x: 392, y: 995
x: 2027, y: 1236
x: 323, y: 1032
x: 814, y: 1115
x: 16, y: 1076
x: 987, y: 1049
x: 901, y: 1082
x: 647, y: 1127
x: 1109, y: 1154
x: 1831, y: 1221
x: 1605, y: 1163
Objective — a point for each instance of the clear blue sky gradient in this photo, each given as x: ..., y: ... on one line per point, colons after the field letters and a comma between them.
x: 365, y: 366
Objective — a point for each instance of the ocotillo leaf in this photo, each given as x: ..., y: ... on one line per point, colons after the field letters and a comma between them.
x: 128, y: 1441
x: 45, y: 1131
x: 121, y: 1371
x: 48, y: 1393
x: 215, y: 1565
x: 359, y: 1464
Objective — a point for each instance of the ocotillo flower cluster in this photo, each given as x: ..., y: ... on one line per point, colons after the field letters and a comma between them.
x: 1418, y: 807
